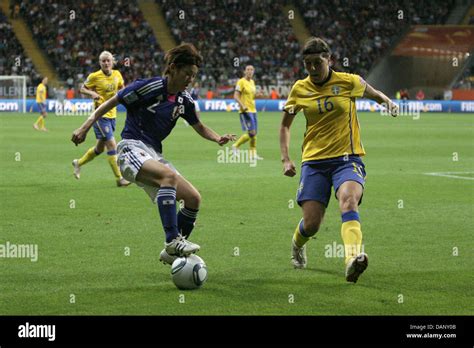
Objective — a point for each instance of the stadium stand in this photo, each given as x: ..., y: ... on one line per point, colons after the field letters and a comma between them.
x: 255, y: 32
x: 73, y: 35
x: 363, y: 32
x: 13, y: 60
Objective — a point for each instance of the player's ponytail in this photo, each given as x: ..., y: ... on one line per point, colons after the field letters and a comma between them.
x: 182, y: 55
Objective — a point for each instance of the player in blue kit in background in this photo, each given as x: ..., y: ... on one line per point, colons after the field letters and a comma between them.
x: 153, y: 108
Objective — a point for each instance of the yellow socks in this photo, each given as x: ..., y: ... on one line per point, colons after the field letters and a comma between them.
x: 112, y: 159
x: 88, y: 156
x: 351, y: 234
x: 40, y: 122
x: 253, y: 145
x: 242, y: 140
x: 299, y: 237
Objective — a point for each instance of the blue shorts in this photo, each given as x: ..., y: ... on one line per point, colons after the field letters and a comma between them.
x: 104, y: 128
x: 317, y: 177
x: 248, y: 120
x: 42, y: 107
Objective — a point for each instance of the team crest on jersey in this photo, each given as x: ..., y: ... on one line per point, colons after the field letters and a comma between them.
x: 335, y: 90
x: 107, y: 129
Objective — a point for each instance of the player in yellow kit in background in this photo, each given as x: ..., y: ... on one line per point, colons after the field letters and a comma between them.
x: 244, y: 94
x: 332, y: 150
x: 101, y: 86
x: 41, y: 101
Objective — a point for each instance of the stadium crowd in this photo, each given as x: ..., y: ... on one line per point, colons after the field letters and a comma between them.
x: 239, y: 33
x: 229, y: 34
x: 13, y: 60
x: 362, y: 32
x: 73, y: 35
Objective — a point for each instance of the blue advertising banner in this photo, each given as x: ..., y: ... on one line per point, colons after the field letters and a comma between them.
x: 85, y: 106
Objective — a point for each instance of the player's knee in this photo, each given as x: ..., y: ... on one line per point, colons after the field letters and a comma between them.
x: 194, y: 200
x: 348, y: 202
x: 169, y: 179
x: 110, y: 144
x: 311, y: 227
x: 252, y: 134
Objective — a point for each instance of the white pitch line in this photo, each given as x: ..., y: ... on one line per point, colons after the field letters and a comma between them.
x: 449, y: 175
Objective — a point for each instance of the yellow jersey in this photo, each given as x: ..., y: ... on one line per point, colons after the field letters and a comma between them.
x: 106, y: 87
x: 332, y: 127
x: 41, y: 93
x: 247, y: 93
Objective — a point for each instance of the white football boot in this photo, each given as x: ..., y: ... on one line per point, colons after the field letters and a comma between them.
x: 77, y: 169
x: 298, y: 255
x: 166, y: 258
x: 181, y: 247
x: 356, y: 266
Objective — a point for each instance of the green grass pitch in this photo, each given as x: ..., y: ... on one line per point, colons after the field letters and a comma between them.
x: 417, y: 228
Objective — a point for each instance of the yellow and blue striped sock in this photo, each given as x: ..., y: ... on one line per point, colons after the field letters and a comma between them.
x: 242, y: 140
x: 112, y: 159
x: 88, y: 156
x: 300, y: 237
x: 351, y: 234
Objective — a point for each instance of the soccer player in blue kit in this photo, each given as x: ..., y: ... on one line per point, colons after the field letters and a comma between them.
x: 153, y: 108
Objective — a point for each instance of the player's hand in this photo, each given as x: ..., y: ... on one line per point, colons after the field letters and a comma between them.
x: 289, y: 168
x: 78, y: 136
x: 393, y: 109
x: 224, y: 139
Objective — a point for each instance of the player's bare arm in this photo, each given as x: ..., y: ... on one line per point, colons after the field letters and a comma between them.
x: 209, y: 134
x: 79, y: 135
x: 288, y: 165
x: 89, y: 92
x: 381, y: 98
x: 237, y: 95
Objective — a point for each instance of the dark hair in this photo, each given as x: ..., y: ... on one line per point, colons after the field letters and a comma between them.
x: 182, y: 55
x: 315, y: 45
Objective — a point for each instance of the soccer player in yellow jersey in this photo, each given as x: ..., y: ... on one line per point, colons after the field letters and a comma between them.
x: 41, y: 101
x: 245, y: 96
x: 101, y: 86
x: 332, y: 151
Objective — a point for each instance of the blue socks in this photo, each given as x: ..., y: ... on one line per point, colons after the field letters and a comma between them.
x: 166, y: 201
x: 186, y: 219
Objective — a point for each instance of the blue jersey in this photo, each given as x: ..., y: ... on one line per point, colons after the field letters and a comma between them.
x: 152, y: 113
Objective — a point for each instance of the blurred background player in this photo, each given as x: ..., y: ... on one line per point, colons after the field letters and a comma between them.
x: 153, y: 108
x: 41, y: 102
x: 332, y: 148
x: 101, y: 86
x: 244, y: 94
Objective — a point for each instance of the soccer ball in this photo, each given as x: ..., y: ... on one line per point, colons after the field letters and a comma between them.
x: 189, y: 272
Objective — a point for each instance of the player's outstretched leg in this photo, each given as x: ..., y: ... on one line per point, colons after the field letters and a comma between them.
x: 313, y: 213
x: 253, y: 146
x: 187, y: 215
x: 298, y: 247
x: 156, y: 174
x: 349, y: 195
x: 90, y: 154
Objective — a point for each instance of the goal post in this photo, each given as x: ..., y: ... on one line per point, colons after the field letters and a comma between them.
x: 13, y: 90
